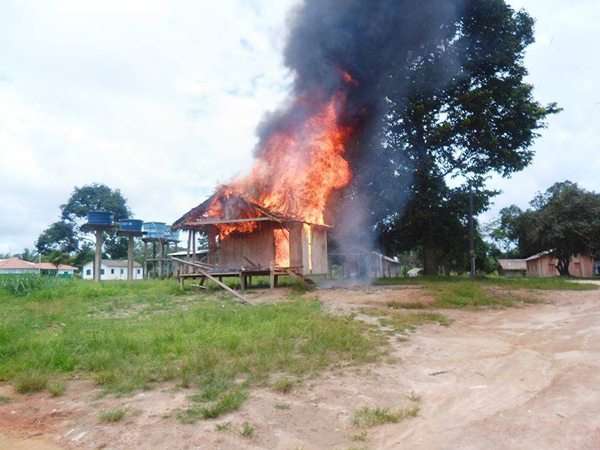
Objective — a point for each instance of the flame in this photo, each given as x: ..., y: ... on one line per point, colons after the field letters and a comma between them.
x: 282, y: 247
x: 297, y: 170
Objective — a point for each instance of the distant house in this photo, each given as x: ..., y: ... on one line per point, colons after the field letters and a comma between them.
x: 513, y: 267
x: 544, y: 265
x: 63, y: 270
x: 13, y: 266
x: 112, y: 270
x: 19, y: 266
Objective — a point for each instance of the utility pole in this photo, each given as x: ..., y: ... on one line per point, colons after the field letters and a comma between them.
x: 98, y: 256
x: 471, y: 234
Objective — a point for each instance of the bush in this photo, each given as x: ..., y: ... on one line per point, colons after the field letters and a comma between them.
x: 21, y: 285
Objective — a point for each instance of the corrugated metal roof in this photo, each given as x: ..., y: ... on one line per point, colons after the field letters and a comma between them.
x: 539, y: 255
x: 513, y: 264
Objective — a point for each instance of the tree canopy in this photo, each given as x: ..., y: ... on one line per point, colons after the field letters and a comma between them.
x: 66, y: 236
x: 466, y: 113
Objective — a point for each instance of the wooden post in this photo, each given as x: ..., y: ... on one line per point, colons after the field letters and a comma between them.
x: 130, y: 259
x: 161, y: 251
x: 154, y: 258
x: 166, y: 268
x: 242, y: 282
x: 146, y: 275
x: 98, y: 258
x: 194, y: 246
x: 272, y: 277
x: 189, y: 251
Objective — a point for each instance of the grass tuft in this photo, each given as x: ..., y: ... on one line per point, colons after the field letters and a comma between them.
x: 227, y: 402
x: 4, y: 400
x: 248, y: 431
x: 283, y: 385
x: 414, y: 397
x: 56, y: 388
x: 112, y: 415
x: 223, y: 427
x: 371, y: 417
x: 29, y: 383
x: 360, y: 437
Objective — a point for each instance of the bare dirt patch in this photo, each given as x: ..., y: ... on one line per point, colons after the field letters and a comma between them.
x: 524, y: 377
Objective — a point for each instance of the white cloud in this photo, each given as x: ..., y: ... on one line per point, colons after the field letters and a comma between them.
x: 563, y: 69
x: 159, y: 99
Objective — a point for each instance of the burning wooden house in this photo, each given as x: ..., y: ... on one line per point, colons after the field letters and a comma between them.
x: 273, y: 220
x: 246, y: 239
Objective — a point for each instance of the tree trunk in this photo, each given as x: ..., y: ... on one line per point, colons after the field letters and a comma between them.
x: 563, y: 266
x: 430, y: 259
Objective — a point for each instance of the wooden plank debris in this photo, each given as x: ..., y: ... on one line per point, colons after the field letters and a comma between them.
x: 205, y: 273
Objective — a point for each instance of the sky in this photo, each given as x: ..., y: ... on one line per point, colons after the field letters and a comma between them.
x: 161, y: 100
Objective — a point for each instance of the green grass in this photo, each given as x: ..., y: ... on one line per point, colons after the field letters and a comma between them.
x: 554, y: 283
x: 129, y: 336
x: 371, y: 417
x: 112, y: 415
x: 486, y: 292
x: 20, y: 285
x: 468, y: 294
x: 4, y: 400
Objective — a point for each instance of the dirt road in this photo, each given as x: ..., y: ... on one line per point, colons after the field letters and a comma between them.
x: 520, y: 378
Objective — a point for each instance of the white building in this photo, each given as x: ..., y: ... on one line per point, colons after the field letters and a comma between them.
x: 112, y: 270
x: 16, y: 266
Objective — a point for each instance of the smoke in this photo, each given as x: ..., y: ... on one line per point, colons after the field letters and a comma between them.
x: 362, y: 48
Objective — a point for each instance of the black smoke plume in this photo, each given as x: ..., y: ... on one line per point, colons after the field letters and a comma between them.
x: 374, y: 41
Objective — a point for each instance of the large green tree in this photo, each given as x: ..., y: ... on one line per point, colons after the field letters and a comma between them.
x: 66, y: 236
x: 564, y: 219
x: 466, y: 113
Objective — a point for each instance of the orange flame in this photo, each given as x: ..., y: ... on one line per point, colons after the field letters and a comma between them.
x: 298, y: 169
x: 282, y: 247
